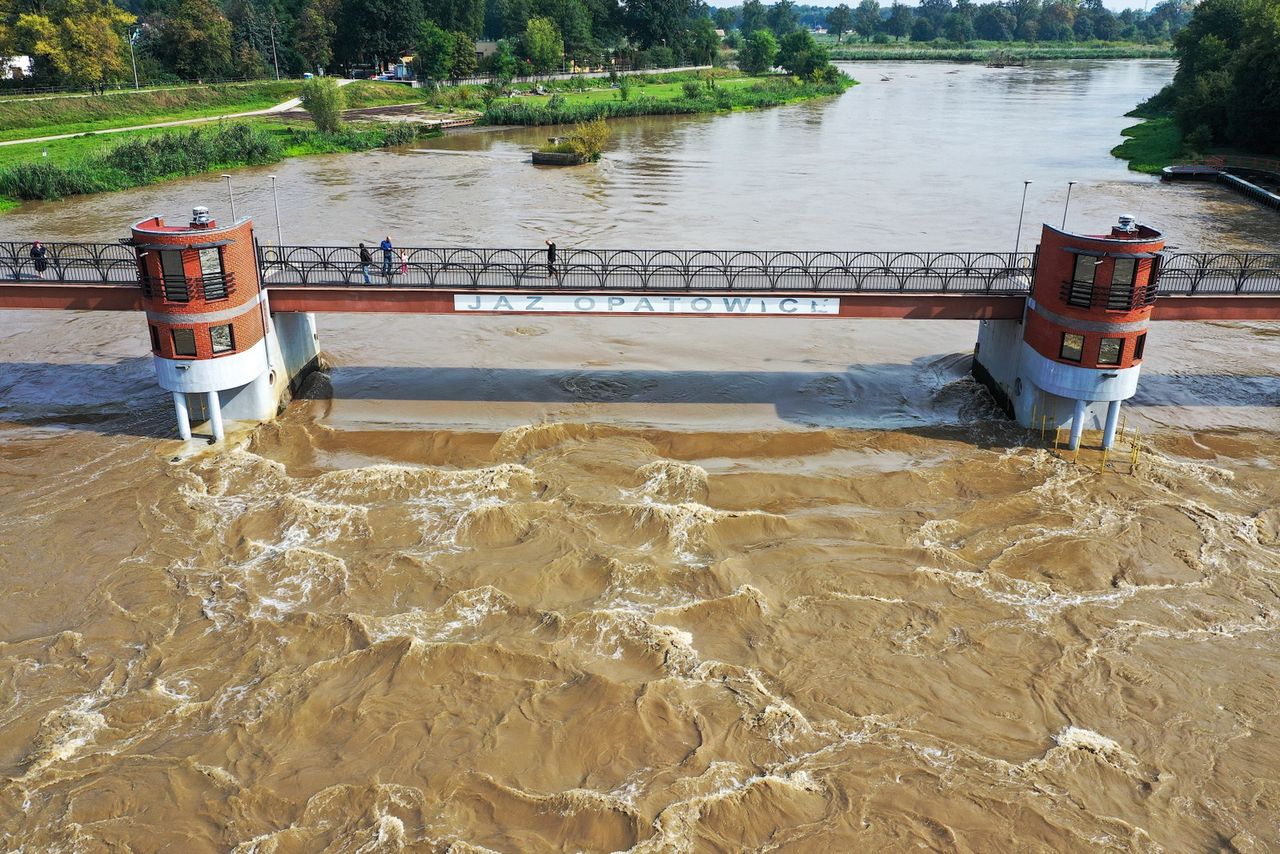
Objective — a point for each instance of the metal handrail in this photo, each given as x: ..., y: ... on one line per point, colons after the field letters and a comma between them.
x: 79, y: 263
x: 643, y: 269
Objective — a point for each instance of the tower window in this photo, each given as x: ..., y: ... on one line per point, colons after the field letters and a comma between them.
x: 155, y: 338
x: 1079, y: 291
x: 1109, y: 351
x: 1072, y: 346
x: 222, y: 338
x: 1120, y: 297
x: 1139, y: 346
x: 184, y: 342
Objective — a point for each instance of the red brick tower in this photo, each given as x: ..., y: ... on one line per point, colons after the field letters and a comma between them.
x: 1084, y: 330
x: 208, y: 319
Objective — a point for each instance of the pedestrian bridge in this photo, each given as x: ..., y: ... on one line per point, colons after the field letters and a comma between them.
x: 446, y: 280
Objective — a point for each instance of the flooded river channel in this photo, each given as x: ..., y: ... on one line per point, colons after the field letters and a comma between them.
x: 654, y: 585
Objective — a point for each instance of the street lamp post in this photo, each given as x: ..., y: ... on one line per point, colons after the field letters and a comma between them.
x: 231, y: 198
x: 274, y: 58
x: 133, y: 60
x: 1017, y: 241
x: 1067, y: 204
x: 276, y: 201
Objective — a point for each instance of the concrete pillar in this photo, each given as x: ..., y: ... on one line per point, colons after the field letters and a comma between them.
x: 184, y: 417
x: 215, y: 416
x: 1113, y: 417
x: 1077, y: 424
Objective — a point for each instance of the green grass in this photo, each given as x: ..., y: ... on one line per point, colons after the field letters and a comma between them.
x: 1150, y: 145
x: 978, y: 51
x: 150, y: 157
x: 371, y: 93
x: 54, y: 116
x: 737, y: 93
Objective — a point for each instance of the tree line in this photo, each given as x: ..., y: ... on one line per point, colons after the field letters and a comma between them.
x: 96, y: 42
x: 1226, y: 91
x: 964, y: 21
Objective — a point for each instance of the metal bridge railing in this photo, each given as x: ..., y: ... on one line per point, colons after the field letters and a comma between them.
x: 654, y: 269
x: 1226, y: 273
x: 79, y: 263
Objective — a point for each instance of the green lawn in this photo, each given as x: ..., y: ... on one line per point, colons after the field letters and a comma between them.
x: 661, y: 91
x: 1150, y: 145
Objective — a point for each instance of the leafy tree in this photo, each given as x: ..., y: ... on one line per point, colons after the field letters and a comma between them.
x: 433, y: 59
x: 922, y: 31
x: 323, y: 100
x: 376, y: 29
x: 542, y: 45
x: 840, y: 21
x: 994, y: 22
x: 754, y: 17
x: 194, y: 40
x: 313, y: 38
x: 867, y: 18
x: 933, y: 11
x: 464, y: 16
x: 958, y: 27
x: 463, y: 56
x: 900, y: 20
x: 660, y: 22
x: 573, y: 20
x: 725, y: 19
x: 799, y: 54
x: 76, y: 41
x: 783, y: 18
x: 703, y: 41
x: 505, y: 65
x: 758, y: 53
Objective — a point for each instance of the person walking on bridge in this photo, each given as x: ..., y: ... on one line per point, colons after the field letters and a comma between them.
x: 551, y: 259
x: 39, y: 258
x: 388, y: 255
x: 366, y: 261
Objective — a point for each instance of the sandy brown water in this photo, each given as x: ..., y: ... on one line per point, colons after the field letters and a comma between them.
x: 562, y: 584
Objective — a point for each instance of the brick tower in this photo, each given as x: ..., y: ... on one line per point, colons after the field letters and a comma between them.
x: 1077, y: 352
x: 212, y: 337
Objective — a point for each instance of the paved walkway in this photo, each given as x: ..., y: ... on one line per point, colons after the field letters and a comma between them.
x: 291, y: 104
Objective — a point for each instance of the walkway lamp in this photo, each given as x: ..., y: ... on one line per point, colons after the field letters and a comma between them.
x: 135, y: 32
x: 275, y: 200
x: 231, y: 198
x: 1017, y: 241
x: 1067, y: 204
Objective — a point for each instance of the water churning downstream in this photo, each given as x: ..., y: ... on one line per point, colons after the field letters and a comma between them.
x: 580, y: 584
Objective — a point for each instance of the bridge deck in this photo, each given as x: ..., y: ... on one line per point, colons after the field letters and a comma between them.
x: 104, y: 277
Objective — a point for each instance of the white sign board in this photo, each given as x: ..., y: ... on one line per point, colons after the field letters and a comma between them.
x: 646, y: 304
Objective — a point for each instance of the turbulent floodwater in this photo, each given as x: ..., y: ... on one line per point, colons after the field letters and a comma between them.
x: 564, y: 584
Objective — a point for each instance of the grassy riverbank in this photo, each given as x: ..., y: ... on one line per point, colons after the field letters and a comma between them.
x: 86, y: 114
x: 92, y: 163
x: 150, y: 158
x: 721, y: 93
x: 982, y: 51
x: 1151, y: 145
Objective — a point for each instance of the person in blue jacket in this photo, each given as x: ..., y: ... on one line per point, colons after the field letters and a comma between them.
x: 388, y: 255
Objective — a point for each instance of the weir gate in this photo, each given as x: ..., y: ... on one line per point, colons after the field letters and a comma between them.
x: 1062, y: 335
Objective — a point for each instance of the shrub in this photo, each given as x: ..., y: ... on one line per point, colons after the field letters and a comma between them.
x: 758, y: 52
x: 589, y: 138
x: 400, y: 133
x: 692, y: 89
x: 324, y: 101
x: 625, y: 86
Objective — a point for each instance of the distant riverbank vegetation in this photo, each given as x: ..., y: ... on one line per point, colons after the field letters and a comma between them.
x: 142, y: 159
x: 1001, y: 53
x: 710, y: 94
x: 1225, y: 95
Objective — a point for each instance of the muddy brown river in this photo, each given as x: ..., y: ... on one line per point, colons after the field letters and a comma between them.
x: 654, y: 585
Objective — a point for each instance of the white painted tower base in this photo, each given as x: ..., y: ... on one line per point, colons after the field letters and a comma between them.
x: 1040, y: 393
x: 253, y: 385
